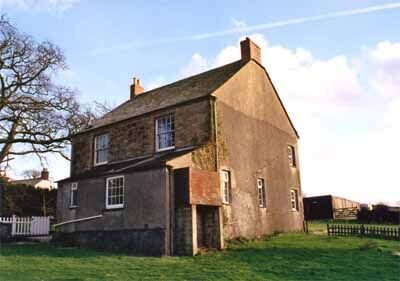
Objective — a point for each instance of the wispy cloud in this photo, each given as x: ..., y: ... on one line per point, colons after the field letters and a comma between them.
x: 334, y: 104
x: 51, y: 6
x: 295, y: 21
x: 238, y: 23
x: 243, y: 28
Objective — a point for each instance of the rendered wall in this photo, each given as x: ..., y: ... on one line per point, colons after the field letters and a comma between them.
x: 255, y: 133
x: 146, y: 207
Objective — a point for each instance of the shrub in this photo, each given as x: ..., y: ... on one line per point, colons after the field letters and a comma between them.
x: 379, y: 214
x: 24, y: 200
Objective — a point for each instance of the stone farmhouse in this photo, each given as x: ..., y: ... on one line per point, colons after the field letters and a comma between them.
x: 185, y: 166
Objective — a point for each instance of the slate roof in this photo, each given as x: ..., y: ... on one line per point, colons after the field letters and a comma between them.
x: 31, y: 182
x: 187, y: 89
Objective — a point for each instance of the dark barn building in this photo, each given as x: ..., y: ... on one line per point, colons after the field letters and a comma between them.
x: 329, y: 207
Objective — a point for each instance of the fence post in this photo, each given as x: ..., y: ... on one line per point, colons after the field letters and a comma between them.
x: 362, y: 230
x: 14, y: 225
x: 33, y: 226
x: 305, y: 226
x: 327, y: 227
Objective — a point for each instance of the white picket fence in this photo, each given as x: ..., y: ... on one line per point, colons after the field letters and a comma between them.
x: 28, y: 226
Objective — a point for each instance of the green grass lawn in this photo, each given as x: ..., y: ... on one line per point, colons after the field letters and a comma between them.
x: 283, y: 257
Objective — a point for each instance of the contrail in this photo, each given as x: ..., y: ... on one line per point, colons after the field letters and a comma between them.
x: 264, y: 26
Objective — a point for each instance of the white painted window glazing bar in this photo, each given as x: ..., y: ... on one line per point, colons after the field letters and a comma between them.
x: 261, y: 193
x: 101, y: 143
x: 294, y: 200
x: 115, y: 192
x: 226, y: 187
x: 165, y: 133
x: 74, y: 194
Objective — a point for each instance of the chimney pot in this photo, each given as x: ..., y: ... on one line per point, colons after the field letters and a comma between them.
x: 45, y: 174
x: 250, y: 51
x: 136, y: 88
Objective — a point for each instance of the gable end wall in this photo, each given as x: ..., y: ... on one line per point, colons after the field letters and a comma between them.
x: 255, y: 133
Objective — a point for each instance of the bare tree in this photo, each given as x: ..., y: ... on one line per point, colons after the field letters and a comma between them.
x: 37, y: 116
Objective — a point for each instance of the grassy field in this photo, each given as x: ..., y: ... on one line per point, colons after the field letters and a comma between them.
x: 283, y: 257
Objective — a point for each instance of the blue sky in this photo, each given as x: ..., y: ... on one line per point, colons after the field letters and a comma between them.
x: 338, y: 74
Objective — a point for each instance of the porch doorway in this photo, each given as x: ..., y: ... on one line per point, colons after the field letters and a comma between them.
x: 208, y: 231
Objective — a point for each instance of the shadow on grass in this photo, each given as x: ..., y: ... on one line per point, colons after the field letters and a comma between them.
x: 49, y: 250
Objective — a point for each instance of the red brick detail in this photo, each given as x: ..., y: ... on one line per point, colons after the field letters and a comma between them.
x: 204, y: 188
x: 249, y: 50
x: 136, y: 88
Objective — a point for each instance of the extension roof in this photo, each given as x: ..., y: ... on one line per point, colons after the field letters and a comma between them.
x: 137, y: 164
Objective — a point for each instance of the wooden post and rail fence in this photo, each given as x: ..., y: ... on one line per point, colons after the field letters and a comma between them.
x: 383, y: 232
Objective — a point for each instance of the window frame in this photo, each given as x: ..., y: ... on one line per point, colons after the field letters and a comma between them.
x: 294, y: 198
x: 157, y: 142
x: 226, y: 197
x: 95, y: 149
x: 261, y: 191
x: 72, y: 197
x: 115, y: 206
x: 291, y: 155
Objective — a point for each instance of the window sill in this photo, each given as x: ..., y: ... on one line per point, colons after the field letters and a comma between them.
x: 99, y: 164
x: 72, y: 207
x: 116, y: 208
x: 165, y: 149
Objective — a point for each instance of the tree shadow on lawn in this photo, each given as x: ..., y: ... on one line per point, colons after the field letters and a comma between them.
x: 50, y: 250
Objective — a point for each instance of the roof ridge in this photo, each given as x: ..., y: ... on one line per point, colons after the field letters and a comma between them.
x: 26, y: 180
x: 187, y: 89
x: 191, y: 77
x: 175, y: 82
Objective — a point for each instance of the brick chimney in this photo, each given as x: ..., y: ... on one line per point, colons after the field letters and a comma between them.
x: 250, y: 51
x: 45, y: 174
x: 136, y: 88
x: 3, y: 176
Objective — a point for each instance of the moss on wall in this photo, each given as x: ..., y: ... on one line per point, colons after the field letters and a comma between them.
x: 222, y: 148
x: 204, y: 157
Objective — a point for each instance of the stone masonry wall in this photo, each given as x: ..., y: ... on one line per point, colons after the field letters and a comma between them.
x: 136, y: 137
x: 138, y: 242
x: 183, y: 232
